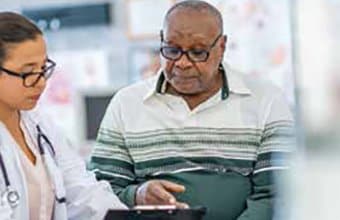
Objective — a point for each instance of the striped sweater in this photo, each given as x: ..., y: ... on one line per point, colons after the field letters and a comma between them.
x: 226, y: 151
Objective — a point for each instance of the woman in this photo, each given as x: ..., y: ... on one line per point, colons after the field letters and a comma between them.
x: 40, y: 176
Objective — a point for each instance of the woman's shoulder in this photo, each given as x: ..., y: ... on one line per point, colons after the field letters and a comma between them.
x: 37, y: 117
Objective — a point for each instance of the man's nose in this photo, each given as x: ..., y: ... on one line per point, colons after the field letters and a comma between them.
x: 184, y: 62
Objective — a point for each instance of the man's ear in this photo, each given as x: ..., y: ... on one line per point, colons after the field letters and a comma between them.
x: 161, y: 36
x: 223, y: 45
x: 224, y: 42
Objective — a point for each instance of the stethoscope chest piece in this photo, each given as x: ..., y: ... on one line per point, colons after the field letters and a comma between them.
x: 11, y: 197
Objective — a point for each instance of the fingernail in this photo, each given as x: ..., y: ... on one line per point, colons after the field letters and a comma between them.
x: 172, y: 200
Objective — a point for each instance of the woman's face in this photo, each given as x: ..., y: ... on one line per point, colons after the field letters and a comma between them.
x: 26, y: 57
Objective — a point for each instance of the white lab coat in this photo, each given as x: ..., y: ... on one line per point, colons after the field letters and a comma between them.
x: 86, y: 198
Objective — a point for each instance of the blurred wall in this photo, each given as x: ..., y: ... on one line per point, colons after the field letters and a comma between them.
x: 318, y: 68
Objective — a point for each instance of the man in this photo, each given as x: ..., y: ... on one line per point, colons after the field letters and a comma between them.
x: 198, y: 133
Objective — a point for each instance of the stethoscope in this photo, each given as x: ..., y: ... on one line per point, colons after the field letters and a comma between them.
x: 10, y: 195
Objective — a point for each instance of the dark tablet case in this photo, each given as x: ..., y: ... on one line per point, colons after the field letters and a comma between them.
x: 164, y: 214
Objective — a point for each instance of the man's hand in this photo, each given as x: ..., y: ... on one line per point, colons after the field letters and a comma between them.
x: 158, y: 192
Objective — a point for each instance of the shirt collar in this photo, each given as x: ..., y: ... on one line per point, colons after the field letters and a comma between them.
x: 32, y: 117
x: 232, y: 83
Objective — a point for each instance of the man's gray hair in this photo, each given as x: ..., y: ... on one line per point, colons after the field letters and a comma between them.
x: 197, y: 5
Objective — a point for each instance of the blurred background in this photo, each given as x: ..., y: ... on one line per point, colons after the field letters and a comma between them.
x: 103, y: 45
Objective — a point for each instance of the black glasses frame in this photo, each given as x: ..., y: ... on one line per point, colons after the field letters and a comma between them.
x: 187, y: 52
x: 23, y: 76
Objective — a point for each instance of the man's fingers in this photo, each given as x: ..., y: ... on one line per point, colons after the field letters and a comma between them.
x: 172, y: 187
x: 162, y: 194
x: 159, y: 192
x: 181, y: 205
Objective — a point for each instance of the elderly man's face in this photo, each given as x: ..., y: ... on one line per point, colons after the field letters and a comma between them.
x: 196, y: 31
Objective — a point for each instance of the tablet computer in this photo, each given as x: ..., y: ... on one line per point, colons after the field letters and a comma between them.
x: 156, y: 213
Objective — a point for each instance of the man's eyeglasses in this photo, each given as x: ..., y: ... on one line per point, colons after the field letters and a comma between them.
x: 31, y: 79
x: 194, y: 55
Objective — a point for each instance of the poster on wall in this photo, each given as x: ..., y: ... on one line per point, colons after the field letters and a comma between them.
x: 144, y: 62
x: 145, y: 17
x: 75, y: 71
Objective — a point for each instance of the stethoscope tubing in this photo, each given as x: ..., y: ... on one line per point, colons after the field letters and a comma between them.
x: 12, y: 195
x: 4, y: 171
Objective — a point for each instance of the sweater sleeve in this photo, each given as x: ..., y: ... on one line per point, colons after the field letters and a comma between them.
x: 272, y: 164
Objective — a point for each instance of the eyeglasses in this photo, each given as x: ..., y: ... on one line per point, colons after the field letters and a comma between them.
x: 31, y: 79
x: 194, y: 55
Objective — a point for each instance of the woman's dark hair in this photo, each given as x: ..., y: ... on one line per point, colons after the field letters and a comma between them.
x: 15, y: 28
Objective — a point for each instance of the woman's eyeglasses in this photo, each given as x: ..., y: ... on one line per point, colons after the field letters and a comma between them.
x: 31, y: 79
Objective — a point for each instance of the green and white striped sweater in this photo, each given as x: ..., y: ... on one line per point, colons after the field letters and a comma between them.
x: 226, y: 151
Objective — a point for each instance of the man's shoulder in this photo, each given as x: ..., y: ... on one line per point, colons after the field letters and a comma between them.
x: 138, y: 90
x: 261, y: 86
x: 257, y: 85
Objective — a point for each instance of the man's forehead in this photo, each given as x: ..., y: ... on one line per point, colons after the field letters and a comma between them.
x: 192, y: 33
x: 190, y: 30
